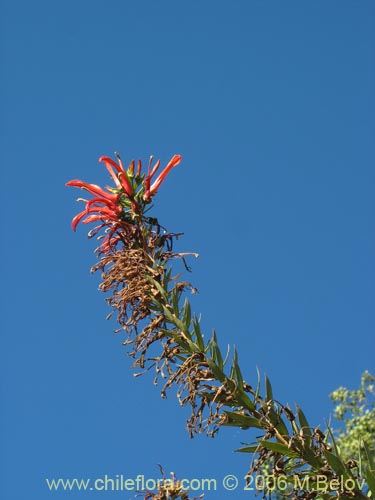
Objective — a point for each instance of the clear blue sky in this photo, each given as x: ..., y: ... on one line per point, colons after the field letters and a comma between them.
x: 272, y: 106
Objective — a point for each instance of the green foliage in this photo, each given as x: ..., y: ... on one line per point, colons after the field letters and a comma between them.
x: 356, y: 410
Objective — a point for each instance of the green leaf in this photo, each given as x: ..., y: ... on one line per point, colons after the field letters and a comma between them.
x: 227, y: 355
x: 295, y: 427
x: 333, y: 440
x: 176, y: 336
x: 243, y: 421
x: 368, y: 456
x: 168, y: 314
x: 337, y: 464
x: 258, y: 385
x: 237, y: 372
x: 269, y: 394
x: 167, y: 278
x: 247, y: 449
x: 214, y: 397
x: 280, y: 448
x: 175, y: 301
x: 281, y: 427
x: 155, y: 305
x: 219, y: 374
x: 276, y: 420
x: 178, y: 323
x: 216, y: 351
x: 183, y: 338
x: 198, y: 333
x: 157, y: 285
x: 187, y: 314
x: 311, y: 458
x: 303, y: 422
x: 370, y: 477
x: 244, y: 399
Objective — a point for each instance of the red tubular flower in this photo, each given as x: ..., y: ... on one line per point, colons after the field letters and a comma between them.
x: 151, y: 190
x: 103, y: 207
x: 121, y: 176
x: 93, y: 189
x: 106, y: 215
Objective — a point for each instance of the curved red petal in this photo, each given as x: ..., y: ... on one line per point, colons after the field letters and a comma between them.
x: 176, y: 159
x: 124, y: 179
x: 93, y: 189
x: 77, y: 219
x: 107, y: 159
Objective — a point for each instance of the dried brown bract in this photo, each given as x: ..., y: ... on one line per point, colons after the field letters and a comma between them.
x: 124, y: 275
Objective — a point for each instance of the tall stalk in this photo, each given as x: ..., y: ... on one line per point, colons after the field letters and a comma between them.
x: 163, y: 334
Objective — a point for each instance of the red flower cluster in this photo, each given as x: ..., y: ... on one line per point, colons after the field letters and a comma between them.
x: 132, y: 192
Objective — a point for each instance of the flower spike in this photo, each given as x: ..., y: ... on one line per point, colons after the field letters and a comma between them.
x: 120, y: 208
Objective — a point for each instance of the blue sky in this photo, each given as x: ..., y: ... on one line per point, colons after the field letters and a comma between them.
x: 272, y: 106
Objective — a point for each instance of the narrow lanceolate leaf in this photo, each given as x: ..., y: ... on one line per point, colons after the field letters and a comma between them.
x: 248, y: 449
x: 186, y: 319
x: 368, y: 456
x: 167, y: 277
x: 240, y: 420
x: 280, y: 448
x: 226, y: 356
x: 258, y: 385
x: 184, y: 337
x: 158, y: 286
x: 311, y: 458
x: 175, y: 301
x: 179, y: 324
x: 219, y: 374
x: 282, y: 428
x: 245, y: 401
x: 295, y: 427
x: 155, y: 305
x: 336, y: 463
x: 303, y: 422
x: 370, y: 477
x: 275, y: 417
x: 269, y: 394
x: 175, y: 335
x: 333, y: 440
x: 237, y: 372
x: 216, y: 354
x: 198, y: 333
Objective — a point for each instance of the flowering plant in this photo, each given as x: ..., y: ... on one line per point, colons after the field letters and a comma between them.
x: 117, y: 208
x: 163, y: 334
